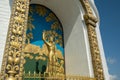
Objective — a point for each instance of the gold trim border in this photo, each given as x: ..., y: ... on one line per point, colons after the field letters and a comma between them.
x: 12, y: 66
x: 10, y: 60
x: 91, y: 21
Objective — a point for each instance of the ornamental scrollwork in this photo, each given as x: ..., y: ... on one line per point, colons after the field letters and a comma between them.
x: 15, y: 41
x: 91, y: 21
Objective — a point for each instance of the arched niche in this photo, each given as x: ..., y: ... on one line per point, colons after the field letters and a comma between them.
x: 67, y: 13
x: 44, y: 50
x: 75, y: 35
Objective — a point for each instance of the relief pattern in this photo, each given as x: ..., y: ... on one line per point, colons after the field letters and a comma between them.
x: 12, y: 66
x: 91, y: 21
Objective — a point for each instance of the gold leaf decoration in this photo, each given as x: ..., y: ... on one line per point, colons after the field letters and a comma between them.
x: 30, y: 26
x: 30, y: 19
x: 45, y: 50
x: 31, y: 9
x: 33, y: 49
x: 59, y: 55
x: 56, y: 26
x: 40, y: 58
x: 57, y: 37
x: 27, y: 55
x: 41, y: 10
x: 30, y: 48
x: 51, y: 17
x: 28, y: 37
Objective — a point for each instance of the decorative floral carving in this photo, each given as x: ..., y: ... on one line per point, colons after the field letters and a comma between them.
x: 91, y: 21
x: 56, y: 24
x: 41, y: 10
x: 15, y: 41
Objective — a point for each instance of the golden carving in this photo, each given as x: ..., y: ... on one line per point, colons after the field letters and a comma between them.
x: 17, y: 30
x: 58, y: 77
x: 41, y: 10
x: 19, y: 19
x: 56, y: 25
x: 58, y: 38
x: 51, y: 54
x: 30, y: 26
x: 30, y: 48
x: 53, y: 66
x: 31, y: 9
x: 28, y: 37
x: 91, y: 21
x: 50, y: 45
x: 51, y: 17
x: 12, y: 62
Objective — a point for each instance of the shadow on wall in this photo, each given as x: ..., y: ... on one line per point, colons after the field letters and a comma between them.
x: 68, y: 30
x: 71, y: 15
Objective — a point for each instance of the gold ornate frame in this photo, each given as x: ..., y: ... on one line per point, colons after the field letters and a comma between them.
x: 12, y: 66
x: 91, y: 21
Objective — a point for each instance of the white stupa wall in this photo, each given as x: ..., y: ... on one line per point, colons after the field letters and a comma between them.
x: 4, y: 22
